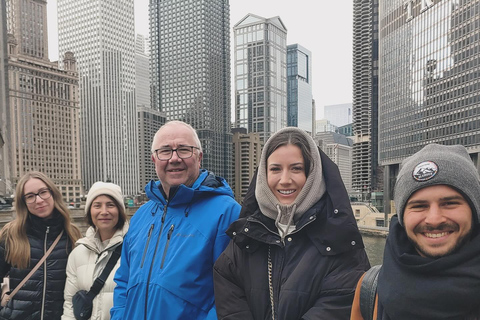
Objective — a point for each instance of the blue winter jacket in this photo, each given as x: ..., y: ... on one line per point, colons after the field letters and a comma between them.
x: 166, y: 267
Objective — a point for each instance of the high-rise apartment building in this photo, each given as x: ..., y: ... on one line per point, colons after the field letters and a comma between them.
x: 149, y: 119
x: 299, y: 88
x: 5, y: 174
x: 338, y: 114
x: 43, y: 101
x: 247, y: 149
x: 190, y: 65
x: 101, y: 34
x: 429, y: 79
x: 367, y: 175
x: 260, y: 75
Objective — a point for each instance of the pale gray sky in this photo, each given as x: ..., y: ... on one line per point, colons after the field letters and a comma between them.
x: 323, y: 27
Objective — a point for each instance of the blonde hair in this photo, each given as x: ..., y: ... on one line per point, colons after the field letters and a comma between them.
x: 14, y: 233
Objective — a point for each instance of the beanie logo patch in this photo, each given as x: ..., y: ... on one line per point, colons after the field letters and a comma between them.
x: 425, y: 171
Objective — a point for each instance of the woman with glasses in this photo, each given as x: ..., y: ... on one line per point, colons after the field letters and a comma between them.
x: 105, y: 213
x: 41, y: 217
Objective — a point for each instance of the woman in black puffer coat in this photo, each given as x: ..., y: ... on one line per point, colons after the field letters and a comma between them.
x: 41, y: 215
x: 296, y: 252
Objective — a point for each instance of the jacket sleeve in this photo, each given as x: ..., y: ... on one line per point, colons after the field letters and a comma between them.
x: 222, y: 239
x: 338, y: 287
x: 230, y: 298
x: 70, y: 287
x: 121, y: 279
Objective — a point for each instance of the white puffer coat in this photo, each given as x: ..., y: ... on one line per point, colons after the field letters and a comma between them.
x: 85, y: 264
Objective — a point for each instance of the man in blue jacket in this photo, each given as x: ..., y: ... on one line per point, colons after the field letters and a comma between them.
x: 166, y: 268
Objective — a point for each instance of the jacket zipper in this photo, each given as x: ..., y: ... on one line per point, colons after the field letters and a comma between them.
x: 44, y: 273
x: 169, y: 235
x: 148, y: 242
x: 153, y: 260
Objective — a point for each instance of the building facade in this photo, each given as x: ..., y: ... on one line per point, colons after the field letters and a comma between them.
x: 367, y: 174
x: 43, y: 100
x: 429, y: 79
x: 247, y: 149
x: 190, y: 65
x: 339, y: 149
x: 260, y: 75
x: 338, y: 114
x: 101, y: 34
x: 299, y: 88
x: 5, y: 174
x: 149, y: 119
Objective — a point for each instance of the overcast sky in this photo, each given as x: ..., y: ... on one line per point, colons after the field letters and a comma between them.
x: 324, y: 27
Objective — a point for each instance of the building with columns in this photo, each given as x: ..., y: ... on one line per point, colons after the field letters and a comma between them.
x: 43, y: 103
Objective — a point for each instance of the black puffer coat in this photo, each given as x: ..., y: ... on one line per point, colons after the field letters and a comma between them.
x: 42, y: 295
x: 314, y: 274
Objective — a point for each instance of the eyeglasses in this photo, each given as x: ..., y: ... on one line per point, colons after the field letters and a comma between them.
x: 184, y: 152
x: 32, y: 197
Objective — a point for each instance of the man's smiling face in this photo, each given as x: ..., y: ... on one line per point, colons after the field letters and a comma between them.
x: 438, y: 220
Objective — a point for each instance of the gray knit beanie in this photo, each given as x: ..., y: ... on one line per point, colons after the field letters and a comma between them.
x: 437, y: 164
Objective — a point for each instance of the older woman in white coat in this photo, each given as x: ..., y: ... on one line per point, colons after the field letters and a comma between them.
x: 105, y: 213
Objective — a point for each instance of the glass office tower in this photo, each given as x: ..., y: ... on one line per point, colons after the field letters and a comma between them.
x: 429, y: 78
x: 190, y: 65
x: 260, y: 75
x: 299, y: 88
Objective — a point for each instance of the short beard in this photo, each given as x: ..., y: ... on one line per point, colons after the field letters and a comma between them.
x: 461, y: 241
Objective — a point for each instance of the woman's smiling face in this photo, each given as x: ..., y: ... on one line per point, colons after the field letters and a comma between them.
x: 286, y: 173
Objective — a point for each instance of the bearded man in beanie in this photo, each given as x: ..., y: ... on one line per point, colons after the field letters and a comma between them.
x: 431, y: 265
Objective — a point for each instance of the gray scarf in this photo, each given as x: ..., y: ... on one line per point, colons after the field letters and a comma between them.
x: 311, y: 192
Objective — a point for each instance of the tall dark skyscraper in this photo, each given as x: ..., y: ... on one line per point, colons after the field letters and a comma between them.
x: 190, y: 65
x: 429, y: 79
x: 366, y: 175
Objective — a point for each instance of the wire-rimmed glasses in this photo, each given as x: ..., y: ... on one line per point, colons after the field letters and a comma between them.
x: 183, y: 152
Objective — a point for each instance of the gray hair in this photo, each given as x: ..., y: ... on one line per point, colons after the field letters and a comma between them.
x: 177, y: 122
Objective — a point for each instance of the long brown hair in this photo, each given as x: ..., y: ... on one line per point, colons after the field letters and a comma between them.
x: 14, y: 233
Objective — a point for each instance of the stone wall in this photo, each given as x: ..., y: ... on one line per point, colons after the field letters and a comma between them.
x: 78, y: 217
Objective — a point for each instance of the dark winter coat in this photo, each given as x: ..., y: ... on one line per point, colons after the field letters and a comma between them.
x: 42, y: 295
x: 314, y: 273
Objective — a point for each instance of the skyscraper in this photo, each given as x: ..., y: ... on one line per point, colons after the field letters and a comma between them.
x: 338, y: 114
x: 260, y: 75
x: 43, y: 100
x: 149, y: 119
x: 101, y: 34
x: 299, y: 88
x: 429, y: 79
x: 247, y: 148
x: 190, y: 65
x: 366, y: 173
x: 5, y: 174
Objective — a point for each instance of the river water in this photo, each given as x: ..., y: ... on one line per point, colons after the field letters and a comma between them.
x: 374, y: 245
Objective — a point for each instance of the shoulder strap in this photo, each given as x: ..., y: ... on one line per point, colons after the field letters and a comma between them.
x: 100, y: 281
x: 39, y: 263
x: 368, y: 292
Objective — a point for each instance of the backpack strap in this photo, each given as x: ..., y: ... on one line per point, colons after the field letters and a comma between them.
x: 368, y: 292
